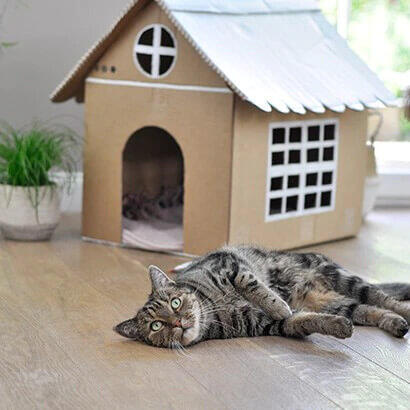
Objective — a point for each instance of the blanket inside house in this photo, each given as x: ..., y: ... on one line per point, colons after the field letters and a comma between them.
x: 154, y: 223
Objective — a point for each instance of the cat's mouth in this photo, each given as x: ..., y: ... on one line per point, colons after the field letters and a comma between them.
x: 190, y: 334
x: 183, y: 329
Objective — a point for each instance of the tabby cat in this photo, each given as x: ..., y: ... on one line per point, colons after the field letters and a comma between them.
x: 250, y: 291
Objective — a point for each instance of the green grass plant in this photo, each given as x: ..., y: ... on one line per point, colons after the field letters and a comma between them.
x: 32, y: 157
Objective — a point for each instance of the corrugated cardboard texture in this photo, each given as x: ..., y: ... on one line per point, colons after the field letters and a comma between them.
x: 201, y: 123
x: 251, y: 128
x: 189, y: 68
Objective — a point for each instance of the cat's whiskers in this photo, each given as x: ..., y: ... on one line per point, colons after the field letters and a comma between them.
x: 178, y: 348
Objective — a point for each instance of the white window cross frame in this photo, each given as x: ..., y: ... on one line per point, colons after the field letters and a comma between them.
x: 156, y: 50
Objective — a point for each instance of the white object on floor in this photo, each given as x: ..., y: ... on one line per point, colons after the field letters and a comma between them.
x: 181, y: 267
x: 153, y: 235
x: 371, y: 189
x: 393, y: 163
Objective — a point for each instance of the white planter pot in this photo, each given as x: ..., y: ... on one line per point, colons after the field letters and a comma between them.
x: 371, y: 189
x: 19, y: 220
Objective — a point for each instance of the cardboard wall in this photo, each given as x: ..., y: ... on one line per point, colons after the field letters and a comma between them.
x: 189, y: 69
x: 249, y: 175
x: 201, y: 124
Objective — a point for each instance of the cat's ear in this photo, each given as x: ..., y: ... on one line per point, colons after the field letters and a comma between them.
x: 159, y: 279
x: 127, y: 329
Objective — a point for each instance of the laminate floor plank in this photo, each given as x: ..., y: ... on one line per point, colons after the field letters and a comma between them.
x: 245, y: 377
x: 36, y: 373
x: 391, y: 353
x: 338, y: 372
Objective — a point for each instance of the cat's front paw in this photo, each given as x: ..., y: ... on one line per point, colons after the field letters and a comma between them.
x: 278, y: 309
x: 341, y: 327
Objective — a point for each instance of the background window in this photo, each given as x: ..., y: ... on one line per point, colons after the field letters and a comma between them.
x: 389, y: 125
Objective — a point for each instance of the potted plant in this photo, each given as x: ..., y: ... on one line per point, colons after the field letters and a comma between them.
x: 36, y: 164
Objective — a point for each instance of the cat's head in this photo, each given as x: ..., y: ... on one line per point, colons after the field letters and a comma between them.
x: 171, y: 316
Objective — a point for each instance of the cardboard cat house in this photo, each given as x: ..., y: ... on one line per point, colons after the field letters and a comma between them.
x: 256, y: 108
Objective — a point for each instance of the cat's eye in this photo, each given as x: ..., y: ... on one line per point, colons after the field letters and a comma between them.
x: 157, y: 325
x: 176, y: 303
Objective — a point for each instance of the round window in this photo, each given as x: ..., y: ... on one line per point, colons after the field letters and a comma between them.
x: 155, y: 51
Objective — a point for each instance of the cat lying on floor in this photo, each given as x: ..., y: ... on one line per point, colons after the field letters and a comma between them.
x: 249, y: 291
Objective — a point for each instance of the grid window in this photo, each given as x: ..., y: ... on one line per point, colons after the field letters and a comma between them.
x: 314, y: 133
x: 327, y: 178
x: 329, y: 132
x: 292, y: 203
x: 310, y: 201
x: 313, y: 155
x: 325, y: 198
x: 275, y: 206
x: 311, y: 179
x: 293, y: 181
x: 278, y: 136
x: 295, y: 134
x: 302, y: 168
x: 294, y: 156
x: 276, y: 183
x: 278, y: 158
x: 328, y: 154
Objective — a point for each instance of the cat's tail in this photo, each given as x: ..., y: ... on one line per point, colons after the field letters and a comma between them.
x: 400, y: 291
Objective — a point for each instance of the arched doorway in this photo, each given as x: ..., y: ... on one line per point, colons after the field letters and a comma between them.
x: 152, y: 191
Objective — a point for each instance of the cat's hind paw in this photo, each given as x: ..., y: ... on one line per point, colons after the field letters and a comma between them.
x: 341, y: 327
x: 397, y: 326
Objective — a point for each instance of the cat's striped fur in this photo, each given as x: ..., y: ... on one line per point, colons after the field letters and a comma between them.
x: 250, y: 291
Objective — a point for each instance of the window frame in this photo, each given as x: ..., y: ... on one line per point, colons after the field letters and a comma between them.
x: 140, y: 47
x: 301, y: 169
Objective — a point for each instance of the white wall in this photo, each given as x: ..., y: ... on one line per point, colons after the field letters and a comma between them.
x: 51, y: 35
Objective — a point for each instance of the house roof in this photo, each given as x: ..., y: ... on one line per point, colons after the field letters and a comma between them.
x: 274, y: 53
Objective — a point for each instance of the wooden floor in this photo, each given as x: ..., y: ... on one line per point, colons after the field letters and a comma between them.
x: 59, y: 301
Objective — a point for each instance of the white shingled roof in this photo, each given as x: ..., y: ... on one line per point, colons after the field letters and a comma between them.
x: 278, y: 53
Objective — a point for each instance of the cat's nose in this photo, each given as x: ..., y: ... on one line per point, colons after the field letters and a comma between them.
x: 178, y: 323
